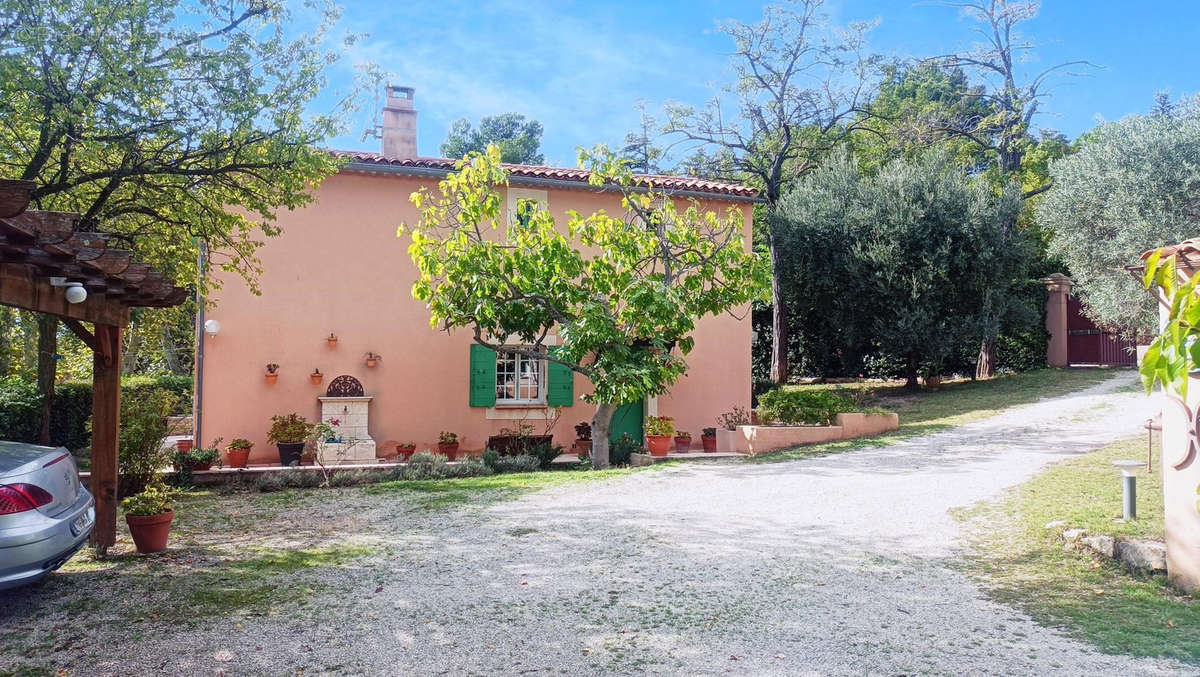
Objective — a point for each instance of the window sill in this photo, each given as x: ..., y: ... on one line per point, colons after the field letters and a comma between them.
x: 520, y: 405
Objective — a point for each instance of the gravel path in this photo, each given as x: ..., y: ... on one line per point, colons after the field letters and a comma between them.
x: 834, y: 565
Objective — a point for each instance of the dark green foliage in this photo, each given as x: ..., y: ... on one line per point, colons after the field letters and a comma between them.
x: 519, y: 140
x: 490, y: 458
x: 807, y: 407
x: 1022, y: 351
x: 545, y: 453
x: 914, y: 258
x: 622, y: 449
x: 73, y: 407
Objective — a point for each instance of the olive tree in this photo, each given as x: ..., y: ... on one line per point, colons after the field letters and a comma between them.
x: 622, y: 293
x: 1133, y: 185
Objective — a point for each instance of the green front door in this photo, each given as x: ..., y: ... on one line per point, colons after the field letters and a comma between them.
x: 627, y: 419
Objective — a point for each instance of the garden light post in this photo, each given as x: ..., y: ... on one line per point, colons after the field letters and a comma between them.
x: 1129, y: 495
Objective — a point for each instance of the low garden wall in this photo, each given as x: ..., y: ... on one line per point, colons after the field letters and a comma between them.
x: 758, y: 439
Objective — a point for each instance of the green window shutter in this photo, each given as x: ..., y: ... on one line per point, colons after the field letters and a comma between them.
x: 560, y: 384
x: 483, y: 376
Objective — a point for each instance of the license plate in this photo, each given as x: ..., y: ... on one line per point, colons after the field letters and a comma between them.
x: 82, y: 522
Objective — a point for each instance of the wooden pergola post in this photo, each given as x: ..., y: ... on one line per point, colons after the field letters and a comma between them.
x: 106, y: 416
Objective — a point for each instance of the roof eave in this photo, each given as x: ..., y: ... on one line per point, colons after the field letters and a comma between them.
x: 518, y: 180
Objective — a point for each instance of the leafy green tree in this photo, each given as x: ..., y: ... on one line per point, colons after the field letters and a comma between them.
x: 897, y: 260
x: 798, y: 90
x: 519, y: 140
x: 1131, y: 187
x: 166, y: 124
x: 623, y: 294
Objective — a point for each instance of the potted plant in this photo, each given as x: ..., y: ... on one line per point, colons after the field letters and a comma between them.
x: 373, y: 359
x: 316, y: 376
x: 659, y: 430
x: 708, y: 438
x: 272, y: 374
x: 331, y: 339
x: 730, y: 420
x: 406, y: 450
x: 184, y: 444
x: 583, y: 439
x: 149, y: 516
x: 448, y: 445
x: 239, y: 452
x: 197, y: 458
x: 289, y: 433
x: 683, y: 442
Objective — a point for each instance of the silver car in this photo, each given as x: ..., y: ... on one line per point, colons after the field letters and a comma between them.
x: 46, y: 515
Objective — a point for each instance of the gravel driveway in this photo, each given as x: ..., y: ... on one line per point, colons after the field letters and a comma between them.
x: 833, y: 565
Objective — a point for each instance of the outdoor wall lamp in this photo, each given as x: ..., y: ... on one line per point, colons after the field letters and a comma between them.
x: 211, y: 327
x: 75, y: 291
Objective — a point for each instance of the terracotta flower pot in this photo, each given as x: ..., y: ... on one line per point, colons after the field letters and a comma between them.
x: 316, y: 378
x: 150, y: 532
x: 582, y: 447
x: 659, y: 445
x: 194, y: 466
x: 683, y: 445
x: 406, y: 451
x: 933, y: 381
x: 331, y: 340
x: 450, y: 451
x: 271, y: 378
x: 185, y: 445
x: 709, y: 442
x: 238, y: 457
x: 371, y: 362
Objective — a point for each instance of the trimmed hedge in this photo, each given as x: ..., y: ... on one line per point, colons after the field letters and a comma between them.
x: 802, y: 407
x: 20, y: 407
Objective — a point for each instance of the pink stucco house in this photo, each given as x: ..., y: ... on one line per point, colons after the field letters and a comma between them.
x: 339, y: 269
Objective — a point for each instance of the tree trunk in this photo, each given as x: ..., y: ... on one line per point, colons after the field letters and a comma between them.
x: 986, y: 366
x: 911, y: 383
x: 779, y: 328
x: 601, y: 422
x: 129, y: 363
x: 6, y: 330
x: 169, y: 354
x: 47, y: 370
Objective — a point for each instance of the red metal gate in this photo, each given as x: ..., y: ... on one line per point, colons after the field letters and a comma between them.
x: 1088, y: 344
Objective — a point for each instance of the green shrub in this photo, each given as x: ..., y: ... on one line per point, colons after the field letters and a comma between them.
x: 621, y: 449
x: 144, y: 428
x: 155, y: 499
x: 471, y: 467
x: 20, y: 407
x: 807, y: 407
x: 519, y: 463
x: 423, y: 465
x: 545, y: 453
x: 490, y: 458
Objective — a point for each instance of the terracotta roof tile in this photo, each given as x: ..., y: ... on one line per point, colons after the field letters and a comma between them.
x: 682, y: 183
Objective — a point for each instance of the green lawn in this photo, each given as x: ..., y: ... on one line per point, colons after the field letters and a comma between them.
x: 434, y: 494
x: 955, y: 403
x: 1020, y: 562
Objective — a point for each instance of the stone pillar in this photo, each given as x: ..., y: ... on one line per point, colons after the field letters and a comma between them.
x: 1181, y: 482
x: 1058, y: 288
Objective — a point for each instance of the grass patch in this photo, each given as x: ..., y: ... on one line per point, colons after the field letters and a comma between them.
x: 1020, y: 562
x: 439, y: 494
x: 955, y: 403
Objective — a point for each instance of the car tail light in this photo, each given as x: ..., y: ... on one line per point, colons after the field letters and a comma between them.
x: 20, y: 497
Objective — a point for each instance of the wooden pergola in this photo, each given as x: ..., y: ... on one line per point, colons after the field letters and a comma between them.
x: 36, y: 246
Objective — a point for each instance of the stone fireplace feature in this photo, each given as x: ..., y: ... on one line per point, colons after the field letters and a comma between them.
x: 347, y: 404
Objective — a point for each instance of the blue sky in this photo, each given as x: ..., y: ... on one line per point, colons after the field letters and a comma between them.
x: 580, y: 66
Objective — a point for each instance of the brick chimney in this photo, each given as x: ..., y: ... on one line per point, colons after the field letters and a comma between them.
x: 399, y: 124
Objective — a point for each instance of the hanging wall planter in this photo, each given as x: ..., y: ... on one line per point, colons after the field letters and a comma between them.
x: 331, y: 339
x: 272, y: 374
x: 316, y: 376
x: 373, y: 359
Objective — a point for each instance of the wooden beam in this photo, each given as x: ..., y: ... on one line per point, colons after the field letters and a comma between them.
x: 81, y: 332
x: 106, y: 415
x: 21, y: 289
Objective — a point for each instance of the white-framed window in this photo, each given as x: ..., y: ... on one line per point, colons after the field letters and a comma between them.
x: 520, y: 379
